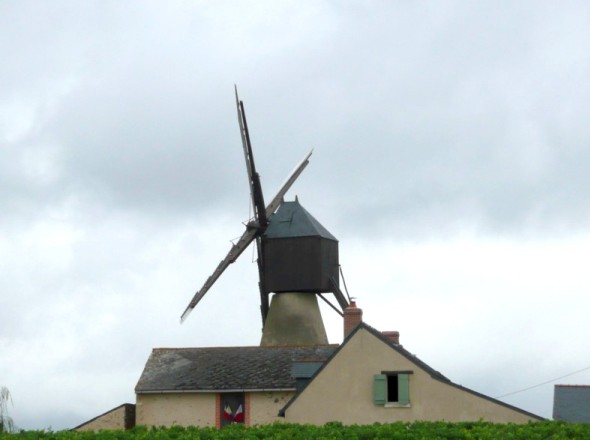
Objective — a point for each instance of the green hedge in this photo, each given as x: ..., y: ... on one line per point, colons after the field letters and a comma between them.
x: 334, y: 430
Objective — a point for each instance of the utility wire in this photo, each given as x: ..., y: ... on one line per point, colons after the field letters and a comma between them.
x: 542, y: 383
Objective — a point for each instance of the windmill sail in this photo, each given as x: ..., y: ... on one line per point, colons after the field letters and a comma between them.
x: 297, y: 258
x: 247, y: 237
x: 253, y: 177
x: 232, y: 255
x: 256, y: 227
x: 276, y: 201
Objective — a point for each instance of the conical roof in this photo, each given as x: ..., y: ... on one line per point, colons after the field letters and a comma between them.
x: 292, y: 220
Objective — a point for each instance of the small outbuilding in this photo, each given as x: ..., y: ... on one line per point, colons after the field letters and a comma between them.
x: 571, y: 403
x: 120, y: 417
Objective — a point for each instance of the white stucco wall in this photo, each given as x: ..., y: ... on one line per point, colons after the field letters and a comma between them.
x: 199, y: 409
x: 182, y: 409
x: 265, y: 406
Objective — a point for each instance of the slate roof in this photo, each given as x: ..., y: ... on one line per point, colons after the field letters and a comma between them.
x: 225, y: 368
x: 571, y: 403
x: 293, y: 220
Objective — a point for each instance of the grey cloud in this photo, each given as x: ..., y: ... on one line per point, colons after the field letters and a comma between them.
x: 122, y: 176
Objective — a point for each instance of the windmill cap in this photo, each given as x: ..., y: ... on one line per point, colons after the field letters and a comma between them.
x: 293, y: 220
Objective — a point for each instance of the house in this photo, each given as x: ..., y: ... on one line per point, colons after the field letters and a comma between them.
x: 571, y: 403
x: 368, y: 378
x: 211, y: 386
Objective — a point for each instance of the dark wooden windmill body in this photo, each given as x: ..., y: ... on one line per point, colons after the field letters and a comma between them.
x: 299, y: 254
x: 296, y: 256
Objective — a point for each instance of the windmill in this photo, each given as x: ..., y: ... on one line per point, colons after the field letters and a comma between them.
x: 297, y: 259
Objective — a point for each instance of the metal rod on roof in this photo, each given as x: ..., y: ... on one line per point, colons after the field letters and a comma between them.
x: 344, y: 282
x: 330, y: 304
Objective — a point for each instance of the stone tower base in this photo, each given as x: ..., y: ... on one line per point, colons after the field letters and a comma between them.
x: 294, y: 318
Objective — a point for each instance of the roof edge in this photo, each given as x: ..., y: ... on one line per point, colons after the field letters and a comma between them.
x: 223, y: 347
x: 216, y: 390
x: 319, y: 370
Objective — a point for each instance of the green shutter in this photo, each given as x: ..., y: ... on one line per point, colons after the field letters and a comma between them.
x: 380, y: 389
x: 403, y: 389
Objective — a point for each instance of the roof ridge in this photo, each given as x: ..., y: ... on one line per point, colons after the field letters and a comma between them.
x: 266, y: 347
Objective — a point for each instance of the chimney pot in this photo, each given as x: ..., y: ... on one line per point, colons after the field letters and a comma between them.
x: 353, y: 316
x: 393, y: 336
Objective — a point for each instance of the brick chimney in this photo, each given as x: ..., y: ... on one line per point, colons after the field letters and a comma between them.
x: 393, y: 336
x: 353, y: 316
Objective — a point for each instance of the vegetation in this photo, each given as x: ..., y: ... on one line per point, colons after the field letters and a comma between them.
x: 6, y: 424
x: 334, y: 430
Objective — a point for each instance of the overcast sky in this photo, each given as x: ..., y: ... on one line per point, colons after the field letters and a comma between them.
x: 451, y: 156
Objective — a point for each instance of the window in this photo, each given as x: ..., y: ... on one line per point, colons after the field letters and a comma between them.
x: 232, y: 408
x: 392, y: 387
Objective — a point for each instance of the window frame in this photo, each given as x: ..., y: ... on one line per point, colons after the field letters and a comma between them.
x: 381, y: 388
x: 233, y: 400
